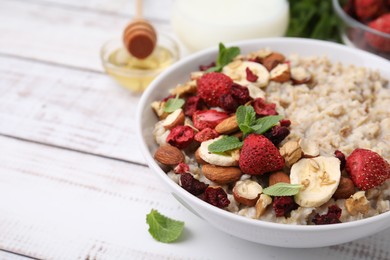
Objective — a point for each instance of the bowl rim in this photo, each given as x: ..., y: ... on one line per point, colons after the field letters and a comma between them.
x: 220, y: 212
x: 351, y: 21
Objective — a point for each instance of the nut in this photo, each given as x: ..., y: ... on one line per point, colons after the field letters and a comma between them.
x: 281, y: 73
x: 181, y: 90
x: 300, y: 75
x: 174, y: 119
x: 291, y: 151
x: 277, y: 177
x: 262, y: 204
x: 227, y: 126
x: 169, y: 155
x: 345, y: 189
x: 158, y: 108
x: 198, y: 158
x: 247, y: 192
x: 272, y: 60
x: 220, y: 174
x: 309, y: 148
x: 357, y: 203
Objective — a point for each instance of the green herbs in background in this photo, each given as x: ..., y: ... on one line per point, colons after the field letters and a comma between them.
x: 173, y: 104
x: 226, y: 143
x: 313, y: 19
x: 225, y: 56
x: 247, y: 122
x: 282, y: 189
x: 162, y: 228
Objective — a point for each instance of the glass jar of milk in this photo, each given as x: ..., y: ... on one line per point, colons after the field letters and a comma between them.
x: 204, y: 23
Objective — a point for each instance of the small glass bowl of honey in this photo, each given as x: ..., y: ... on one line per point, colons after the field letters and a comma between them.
x: 136, y: 74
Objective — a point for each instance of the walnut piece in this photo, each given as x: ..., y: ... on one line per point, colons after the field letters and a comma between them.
x: 357, y: 203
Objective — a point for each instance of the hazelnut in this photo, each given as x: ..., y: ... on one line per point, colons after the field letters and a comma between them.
x: 247, y: 192
x: 281, y: 73
x: 272, y: 60
x: 277, y: 177
x: 291, y: 152
x: 345, y: 189
x: 174, y: 119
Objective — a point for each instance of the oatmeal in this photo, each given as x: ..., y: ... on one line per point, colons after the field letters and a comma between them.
x: 293, y: 140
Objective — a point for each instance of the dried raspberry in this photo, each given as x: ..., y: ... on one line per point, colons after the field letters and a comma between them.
x: 283, y: 206
x: 240, y: 93
x: 192, y: 185
x: 206, y: 67
x: 277, y: 134
x: 339, y: 155
x: 264, y: 109
x: 208, y: 118
x: 228, y: 103
x: 250, y: 76
x: 206, y: 134
x: 285, y: 122
x: 332, y: 217
x: 193, y: 104
x: 181, y: 168
x: 216, y: 196
x: 181, y: 136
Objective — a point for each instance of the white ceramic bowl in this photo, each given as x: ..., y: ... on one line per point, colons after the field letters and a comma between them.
x: 275, y: 234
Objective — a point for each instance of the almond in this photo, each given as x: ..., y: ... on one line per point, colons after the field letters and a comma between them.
x: 345, y: 189
x: 221, y: 174
x: 272, y: 60
x: 174, y: 119
x: 227, y: 126
x: 277, y: 177
x: 198, y: 158
x: 247, y: 192
x: 169, y: 155
x: 281, y: 73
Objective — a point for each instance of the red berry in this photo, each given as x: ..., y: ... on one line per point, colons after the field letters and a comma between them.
x: 212, y: 85
x: 250, y: 76
x: 181, y: 136
x: 216, y: 196
x: 181, y: 168
x: 240, y: 94
x: 367, y: 9
x: 283, y: 206
x: 193, y: 104
x: 206, y: 67
x: 208, y: 118
x: 259, y: 155
x: 206, y: 134
x: 277, y: 134
x: 263, y: 108
x: 339, y: 155
x: 285, y: 122
x: 192, y: 185
x: 367, y: 169
x: 331, y: 217
x: 228, y: 103
x: 382, y: 24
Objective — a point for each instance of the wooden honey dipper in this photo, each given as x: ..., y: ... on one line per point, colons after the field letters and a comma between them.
x: 139, y: 36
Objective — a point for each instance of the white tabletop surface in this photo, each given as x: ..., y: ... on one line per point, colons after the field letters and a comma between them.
x: 73, y: 184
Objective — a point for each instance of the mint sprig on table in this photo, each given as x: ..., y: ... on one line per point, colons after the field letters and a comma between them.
x: 282, y: 189
x: 225, y: 56
x: 226, y: 143
x: 173, y: 104
x: 162, y: 228
x: 247, y: 122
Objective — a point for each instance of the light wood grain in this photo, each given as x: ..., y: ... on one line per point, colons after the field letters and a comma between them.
x: 69, y: 108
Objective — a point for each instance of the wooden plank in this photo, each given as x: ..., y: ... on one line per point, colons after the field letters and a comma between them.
x: 53, y: 34
x: 69, y: 108
x: 57, y: 204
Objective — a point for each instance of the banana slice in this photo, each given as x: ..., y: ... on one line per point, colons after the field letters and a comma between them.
x: 320, y: 177
x: 218, y: 159
x: 237, y: 71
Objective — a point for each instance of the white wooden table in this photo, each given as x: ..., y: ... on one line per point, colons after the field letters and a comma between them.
x: 73, y: 184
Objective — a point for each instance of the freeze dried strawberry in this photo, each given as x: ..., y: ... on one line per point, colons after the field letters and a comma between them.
x: 277, y: 134
x: 285, y: 122
x: 193, y: 104
x: 283, y: 206
x: 216, y: 196
x: 206, y: 67
x: 240, y: 93
x: 181, y: 136
x: 181, y: 168
x: 212, y: 85
x: 382, y: 24
x: 228, y: 103
x: 263, y: 108
x: 367, y: 9
x: 259, y: 155
x: 192, y: 185
x: 367, y: 169
x: 206, y: 134
x: 339, y: 155
x: 208, y: 118
x: 332, y: 217
x: 250, y: 76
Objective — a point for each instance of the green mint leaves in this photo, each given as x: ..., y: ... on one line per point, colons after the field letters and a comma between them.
x: 224, y: 144
x: 282, y: 189
x: 173, y: 104
x: 247, y: 122
x: 162, y: 228
x: 225, y: 56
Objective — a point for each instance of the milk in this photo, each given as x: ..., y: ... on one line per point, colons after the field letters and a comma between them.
x: 203, y: 23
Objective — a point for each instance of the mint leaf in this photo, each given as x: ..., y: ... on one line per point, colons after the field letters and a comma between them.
x: 162, y: 228
x: 224, y: 144
x: 263, y: 124
x: 282, y: 189
x: 173, y: 104
x: 246, y: 116
x: 225, y: 56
